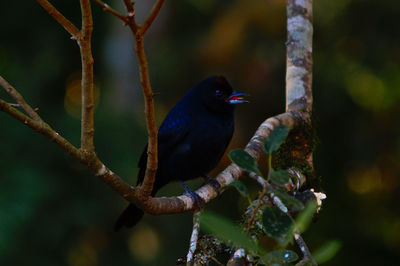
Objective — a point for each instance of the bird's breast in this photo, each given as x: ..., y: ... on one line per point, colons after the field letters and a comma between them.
x: 202, y: 148
x: 210, y: 141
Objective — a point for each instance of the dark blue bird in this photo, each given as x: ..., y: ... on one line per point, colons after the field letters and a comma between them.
x: 192, y: 138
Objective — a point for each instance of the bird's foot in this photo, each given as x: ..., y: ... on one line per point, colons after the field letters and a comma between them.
x: 198, y: 201
x: 213, y: 182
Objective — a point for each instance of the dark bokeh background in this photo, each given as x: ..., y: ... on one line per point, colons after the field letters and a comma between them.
x: 53, y: 211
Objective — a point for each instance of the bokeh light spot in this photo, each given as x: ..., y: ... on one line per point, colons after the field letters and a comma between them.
x: 144, y: 243
x: 393, y: 236
x: 86, y: 251
x: 364, y: 180
x: 369, y: 91
x: 83, y: 254
x: 72, y: 99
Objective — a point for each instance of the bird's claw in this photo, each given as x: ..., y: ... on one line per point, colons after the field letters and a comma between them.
x: 213, y: 182
x: 198, y: 201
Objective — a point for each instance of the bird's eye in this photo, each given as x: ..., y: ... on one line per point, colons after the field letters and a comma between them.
x: 218, y: 93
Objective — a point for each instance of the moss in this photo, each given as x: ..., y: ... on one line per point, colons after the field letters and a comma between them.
x: 256, y: 230
x: 296, y: 151
x: 209, y: 247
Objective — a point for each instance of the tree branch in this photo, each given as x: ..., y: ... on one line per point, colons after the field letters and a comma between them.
x: 139, y: 31
x: 162, y: 205
x: 129, y: 6
x: 90, y: 160
x: 87, y: 85
x: 87, y: 155
x: 83, y: 37
x: 141, y: 197
x: 152, y: 157
x: 20, y: 100
x: 43, y: 128
x: 299, y: 79
x: 152, y: 16
x: 307, y: 258
x: 299, y: 76
x: 193, y: 238
x: 131, y: 16
x: 152, y: 151
x: 63, y: 21
x: 168, y: 205
x: 299, y: 56
x: 112, y: 11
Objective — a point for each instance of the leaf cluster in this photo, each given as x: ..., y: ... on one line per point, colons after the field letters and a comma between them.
x: 275, y: 221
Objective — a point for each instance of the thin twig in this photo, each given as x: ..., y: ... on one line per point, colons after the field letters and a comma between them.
x: 152, y: 150
x: 129, y: 6
x: 83, y: 38
x: 63, y: 21
x: 92, y: 161
x: 193, y: 238
x: 131, y: 16
x: 299, y: 240
x: 255, y: 209
x: 20, y: 100
x: 265, y: 187
x: 258, y: 178
x: 138, y: 32
x: 112, y: 11
x: 152, y: 16
x: 43, y: 128
x: 87, y: 121
x: 307, y: 258
x: 88, y: 157
x: 152, y: 158
x: 296, y: 234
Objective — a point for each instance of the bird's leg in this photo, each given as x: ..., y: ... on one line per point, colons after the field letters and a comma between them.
x: 212, y: 181
x: 196, y: 198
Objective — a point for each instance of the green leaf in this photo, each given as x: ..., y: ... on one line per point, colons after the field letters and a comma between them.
x: 244, y: 160
x: 304, y: 218
x: 241, y: 188
x: 278, y: 225
x: 228, y: 232
x: 280, y: 177
x: 276, y: 138
x: 289, y: 201
x: 280, y: 257
x: 327, y: 251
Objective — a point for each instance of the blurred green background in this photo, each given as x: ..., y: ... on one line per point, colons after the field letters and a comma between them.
x: 53, y: 211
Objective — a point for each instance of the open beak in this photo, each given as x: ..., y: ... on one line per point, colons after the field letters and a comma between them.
x: 237, y: 97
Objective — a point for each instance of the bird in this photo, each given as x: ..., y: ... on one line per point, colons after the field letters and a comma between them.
x: 191, y: 140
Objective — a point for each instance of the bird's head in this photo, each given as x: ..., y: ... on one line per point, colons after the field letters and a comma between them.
x: 218, y: 95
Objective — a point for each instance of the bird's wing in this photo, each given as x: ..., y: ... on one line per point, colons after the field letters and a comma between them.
x: 171, y: 133
x: 173, y: 130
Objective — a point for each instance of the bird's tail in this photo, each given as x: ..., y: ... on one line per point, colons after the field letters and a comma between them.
x: 129, y: 217
x: 132, y: 214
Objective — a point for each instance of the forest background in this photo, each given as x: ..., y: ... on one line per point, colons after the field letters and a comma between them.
x: 54, y: 212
